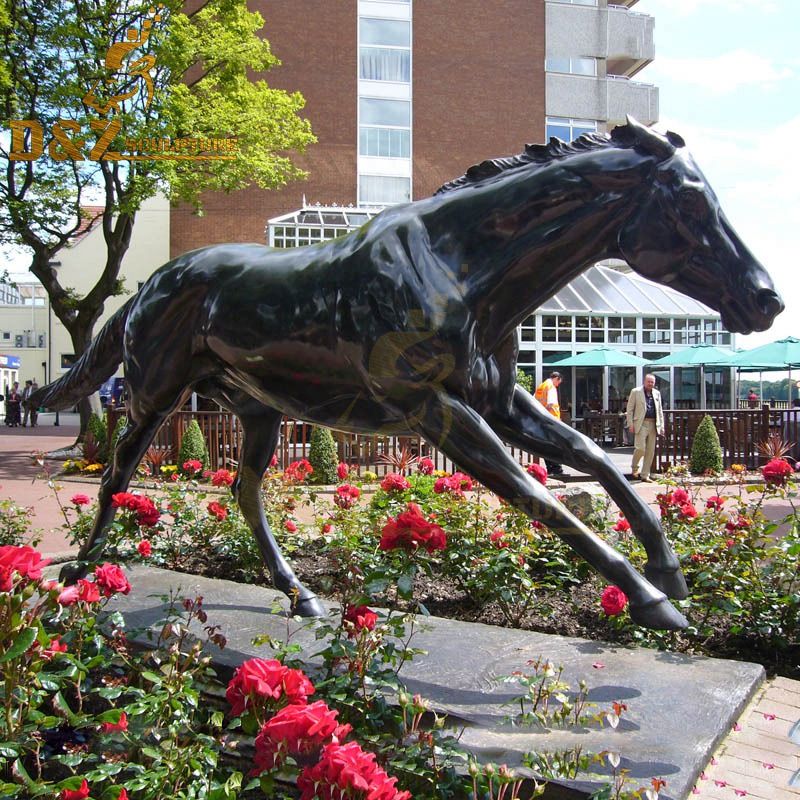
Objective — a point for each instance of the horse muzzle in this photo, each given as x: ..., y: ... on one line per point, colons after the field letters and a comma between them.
x: 755, y: 313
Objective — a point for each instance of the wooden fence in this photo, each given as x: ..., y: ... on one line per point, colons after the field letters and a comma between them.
x: 741, y: 431
x: 223, y: 435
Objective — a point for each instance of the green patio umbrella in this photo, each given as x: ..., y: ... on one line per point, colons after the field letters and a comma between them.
x: 698, y: 355
x: 780, y: 355
x: 601, y: 357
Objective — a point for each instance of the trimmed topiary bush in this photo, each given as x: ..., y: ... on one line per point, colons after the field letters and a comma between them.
x: 193, y: 446
x: 706, y: 450
x: 323, y: 455
x: 97, y: 427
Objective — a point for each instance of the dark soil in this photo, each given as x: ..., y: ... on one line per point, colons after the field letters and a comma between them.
x: 574, y: 612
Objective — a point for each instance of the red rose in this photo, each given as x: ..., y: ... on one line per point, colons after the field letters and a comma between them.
x: 111, y: 580
x: 409, y: 530
x: 776, y: 471
x: 455, y: 484
x: 342, y: 470
x: 347, y: 771
x: 696, y: 558
x: 497, y: 538
x: 688, y: 511
x: 273, y: 462
x: 395, y: 482
x: 296, y: 730
x: 217, y: 510
x: 222, y: 477
x: 715, y: 502
x: 267, y: 679
x: 56, y: 646
x: 80, y: 500
x: 298, y: 470
x: 359, y: 618
x: 290, y: 526
x: 120, y: 725
x: 679, y: 497
x: 76, y: 794
x: 622, y: 525
x: 174, y: 477
x: 24, y: 561
x: 88, y: 592
x: 193, y: 466
x: 729, y: 543
x: 539, y: 472
x: 346, y: 495
x: 123, y: 794
x: 146, y: 512
x: 327, y: 527
x: 425, y: 466
x: 613, y: 600
x: 145, y: 548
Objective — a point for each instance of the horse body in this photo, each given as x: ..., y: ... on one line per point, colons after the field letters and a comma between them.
x: 408, y: 326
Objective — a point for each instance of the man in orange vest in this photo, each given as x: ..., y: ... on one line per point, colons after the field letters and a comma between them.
x: 547, y: 395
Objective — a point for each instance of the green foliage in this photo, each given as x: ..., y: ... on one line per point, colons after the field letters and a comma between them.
x: 193, y: 446
x: 97, y: 427
x: 53, y: 704
x: 14, y: 522
x: 323, y: 455
x: 201, y: 71
x: 525, y: 380
x: 706, y: 454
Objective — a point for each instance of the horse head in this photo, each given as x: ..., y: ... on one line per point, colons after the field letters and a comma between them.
x: 679, y: 236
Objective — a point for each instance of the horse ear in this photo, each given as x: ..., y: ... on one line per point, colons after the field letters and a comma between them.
x: 676, y: 139
x: 650, y: 141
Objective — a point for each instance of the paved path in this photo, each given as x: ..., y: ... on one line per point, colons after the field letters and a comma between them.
x: 756, y: 760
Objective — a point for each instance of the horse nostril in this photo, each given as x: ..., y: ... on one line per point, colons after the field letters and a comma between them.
x: 769, y: 302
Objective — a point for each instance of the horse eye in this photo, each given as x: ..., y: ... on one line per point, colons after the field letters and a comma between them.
x: 694, y: 202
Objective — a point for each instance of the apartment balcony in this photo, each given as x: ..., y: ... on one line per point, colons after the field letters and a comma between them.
x: 611, y: 98
x: 621, y: 37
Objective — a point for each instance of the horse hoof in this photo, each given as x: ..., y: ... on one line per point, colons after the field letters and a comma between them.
x: 71, y: 573
x: 659, y: 615
x: 309, y: 607
x: 669, y: 581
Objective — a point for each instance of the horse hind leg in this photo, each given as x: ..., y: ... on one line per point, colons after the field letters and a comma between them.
x: 260, y: 438
x: 131, y: 447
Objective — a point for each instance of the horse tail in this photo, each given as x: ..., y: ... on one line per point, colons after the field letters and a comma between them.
x: 97, y: 364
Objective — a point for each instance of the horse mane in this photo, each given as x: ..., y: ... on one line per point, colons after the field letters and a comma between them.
x: 540, y: 154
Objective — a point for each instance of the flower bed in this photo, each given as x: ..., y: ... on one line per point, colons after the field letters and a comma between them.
x: 85, y: 716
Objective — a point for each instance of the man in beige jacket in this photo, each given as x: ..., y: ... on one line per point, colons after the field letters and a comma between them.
x: 645, y: 420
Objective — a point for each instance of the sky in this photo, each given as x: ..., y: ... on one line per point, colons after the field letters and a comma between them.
x: 728, y: 73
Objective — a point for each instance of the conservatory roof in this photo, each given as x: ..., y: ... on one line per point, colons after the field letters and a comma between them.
x: 605, y: 290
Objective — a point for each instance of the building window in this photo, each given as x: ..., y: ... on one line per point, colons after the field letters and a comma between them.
x: 621, y: 330
x: 573, y: 66
x: 655, y: 330
x: 578, y: 2
x: 384, y: 128
x: 385, y: 50
x: 383, y: 190
x: 528, y: 329
x: 67, y: 360
x: 568, y: 129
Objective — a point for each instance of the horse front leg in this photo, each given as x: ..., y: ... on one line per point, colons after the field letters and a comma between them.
x: 530, y: 427
x: 467, y: 439
x: 260, y: 438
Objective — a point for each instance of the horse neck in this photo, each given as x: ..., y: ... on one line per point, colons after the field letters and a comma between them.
x: 525, y: 236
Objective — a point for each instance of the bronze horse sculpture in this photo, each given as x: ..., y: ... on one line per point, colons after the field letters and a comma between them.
x: 408, y: 325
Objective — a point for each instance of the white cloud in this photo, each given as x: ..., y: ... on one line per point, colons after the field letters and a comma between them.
x: 722, y: 74
x: 685, y: 8
x: 757, y: 180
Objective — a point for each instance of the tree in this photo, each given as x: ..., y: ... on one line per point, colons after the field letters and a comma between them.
x: 323, y: 455
x: 89, y: 86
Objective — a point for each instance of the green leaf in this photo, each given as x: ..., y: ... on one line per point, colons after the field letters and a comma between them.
x: 20, y: 644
